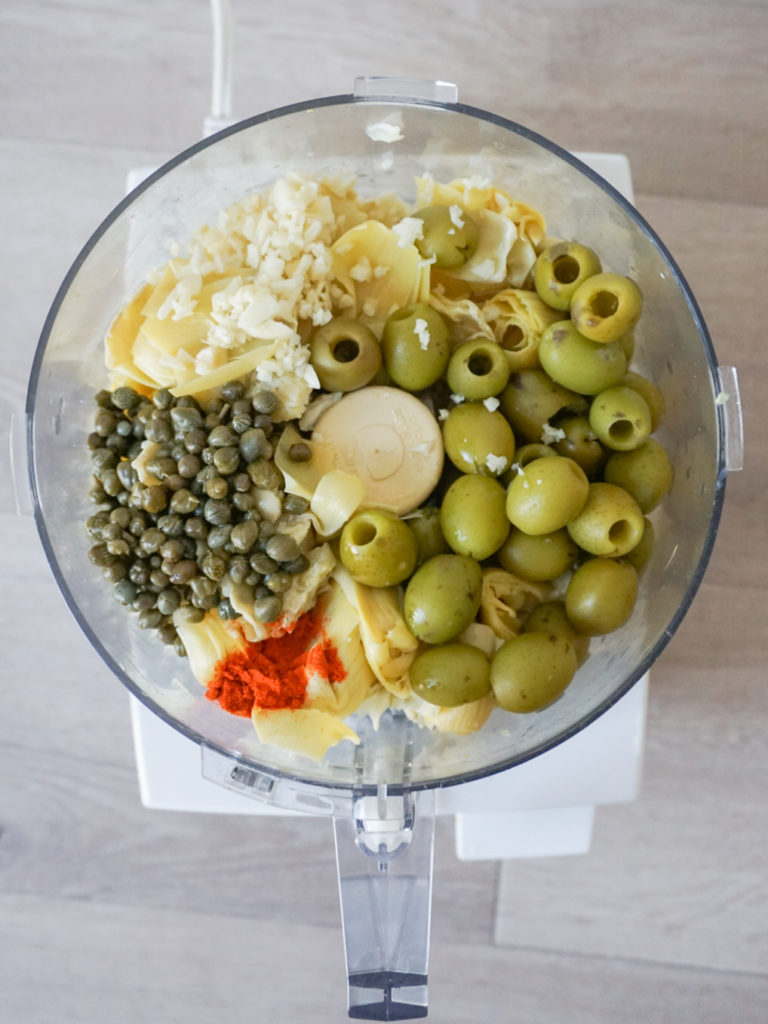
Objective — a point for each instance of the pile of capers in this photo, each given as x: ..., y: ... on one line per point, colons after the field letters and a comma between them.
x: 168, y: 545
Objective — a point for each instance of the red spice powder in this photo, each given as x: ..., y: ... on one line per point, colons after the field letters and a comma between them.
x: 273, y: 673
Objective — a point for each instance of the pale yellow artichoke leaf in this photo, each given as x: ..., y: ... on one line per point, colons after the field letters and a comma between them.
x: 306, y: 731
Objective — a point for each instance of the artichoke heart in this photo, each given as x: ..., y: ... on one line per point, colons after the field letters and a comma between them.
x: 506, y: 601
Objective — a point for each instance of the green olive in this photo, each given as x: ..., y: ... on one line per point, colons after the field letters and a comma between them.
x: 650, y: 392
x: 645, y: 472
x: 578, y: 363
x: 449, y: 236
x: 532, y: 399
x: 416, y: 346
x: 345, y: 354
x: 551, y: 617
x: 546, y: 495
x: 544, y: 557
x: 610, y: 524
x: 601, y: 596
x: 478, y: 369
x: 377, y: 548
x: 478, y: 440
x: 472, y: 516
x: 621, y: 418
x: 451, y: 675
x: 581, y: 444
x: 606, y: 306
x: 560, y: 269
x: 639, y: 555
x: 531, y: 670
x: 424, y: 524
x: 442, y: 598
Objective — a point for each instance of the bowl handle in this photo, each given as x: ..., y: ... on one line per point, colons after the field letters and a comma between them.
x: 384, y: 856
x: 377, y: 87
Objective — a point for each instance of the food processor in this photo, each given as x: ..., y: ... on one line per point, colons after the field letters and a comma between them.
x: 380, y: 793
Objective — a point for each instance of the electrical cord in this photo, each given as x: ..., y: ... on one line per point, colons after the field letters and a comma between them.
x: 220, y: 115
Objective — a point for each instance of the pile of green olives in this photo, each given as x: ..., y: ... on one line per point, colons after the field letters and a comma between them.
x: 550, y: 474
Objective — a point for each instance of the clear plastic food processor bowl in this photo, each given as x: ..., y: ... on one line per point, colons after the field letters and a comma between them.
x: 378, y: 792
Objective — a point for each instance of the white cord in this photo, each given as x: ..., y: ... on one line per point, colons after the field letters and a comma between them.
x: 221, y: 86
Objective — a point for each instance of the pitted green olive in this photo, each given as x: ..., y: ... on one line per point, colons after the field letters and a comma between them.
x: 377, y: 548
x: 551, y: 617
x: 645, y: 472
x: 416, y: 346
x: 650, y: 392
x: 442, y: 598
x: 609, y: 524
x: 478, y: 369
x: 601, y: 596
x: 581, y: 444
x: 425, y: 527
x: 531, y: 670
x: 449, y: 236
x: 639, y: 555
x: 478, y: 440
x: 546, y: 495
x: 560, y: 269
x: 451, y: 675
x: 345, y: 354
x: 472, y: 516
x: 532, y: 399
x: 540, y: 558
x: 606, y: 306
x: 578, y: 363
x: 621, y: 418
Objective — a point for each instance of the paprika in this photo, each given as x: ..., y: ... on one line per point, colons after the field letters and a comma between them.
x: 273, y: 673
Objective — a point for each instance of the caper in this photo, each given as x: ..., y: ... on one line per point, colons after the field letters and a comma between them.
x: 188, y: 613
x: 267, y: 609
x: 154, y: 499
x: 160, y: 578
x: 172, y: 550
x: 226, y: 460
x: 239, y: 568
x: 125, y: 398
x: 264, y: 474
x: 104, y: 422
x: 295, y: 503
x: 167, y: 633
x: 119, y: 547
x: 218, y: 537
x: 184, y: 502
x: 126, y: 474
x: 216, y: 487
x: 103, y: 458
x: 186, y: 419
x: 152, y: 540
x: 144, y: 599
x: 139, y: 573
x: 102, y: 397
x: 168, y: 601
x: 244, y: 535
x: 195, y: 441
x: 262, y: 563
x: 98, y: 555
x: 183, y: 571
x: 116, y: 570
x: 254, y: 445
x: 222, y: 436
x: 158, y: 429
x: 171, y: 524
x: 265, y: 401
x: 282, y: 548
x: 216, y: 512
x: 161, y: 467
x: 195, y: 528
x: 125, y: 591
x: 300, y: 452
x: 296, y: 565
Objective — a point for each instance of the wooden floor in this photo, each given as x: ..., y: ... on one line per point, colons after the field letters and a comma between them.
x: 113, y: 913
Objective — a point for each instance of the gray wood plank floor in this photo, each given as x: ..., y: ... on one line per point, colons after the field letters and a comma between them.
x: 110, y: 912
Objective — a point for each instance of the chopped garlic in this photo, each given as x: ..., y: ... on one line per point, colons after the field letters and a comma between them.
x: 550, y: 434
x: 421, y: 330
x: 408, y: 230
x: 491, y: 404
x: 496, y: 463
x: 457, y: 215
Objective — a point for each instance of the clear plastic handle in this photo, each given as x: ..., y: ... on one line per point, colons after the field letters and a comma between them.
x: 384, y: 856
x: 381, y: 87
